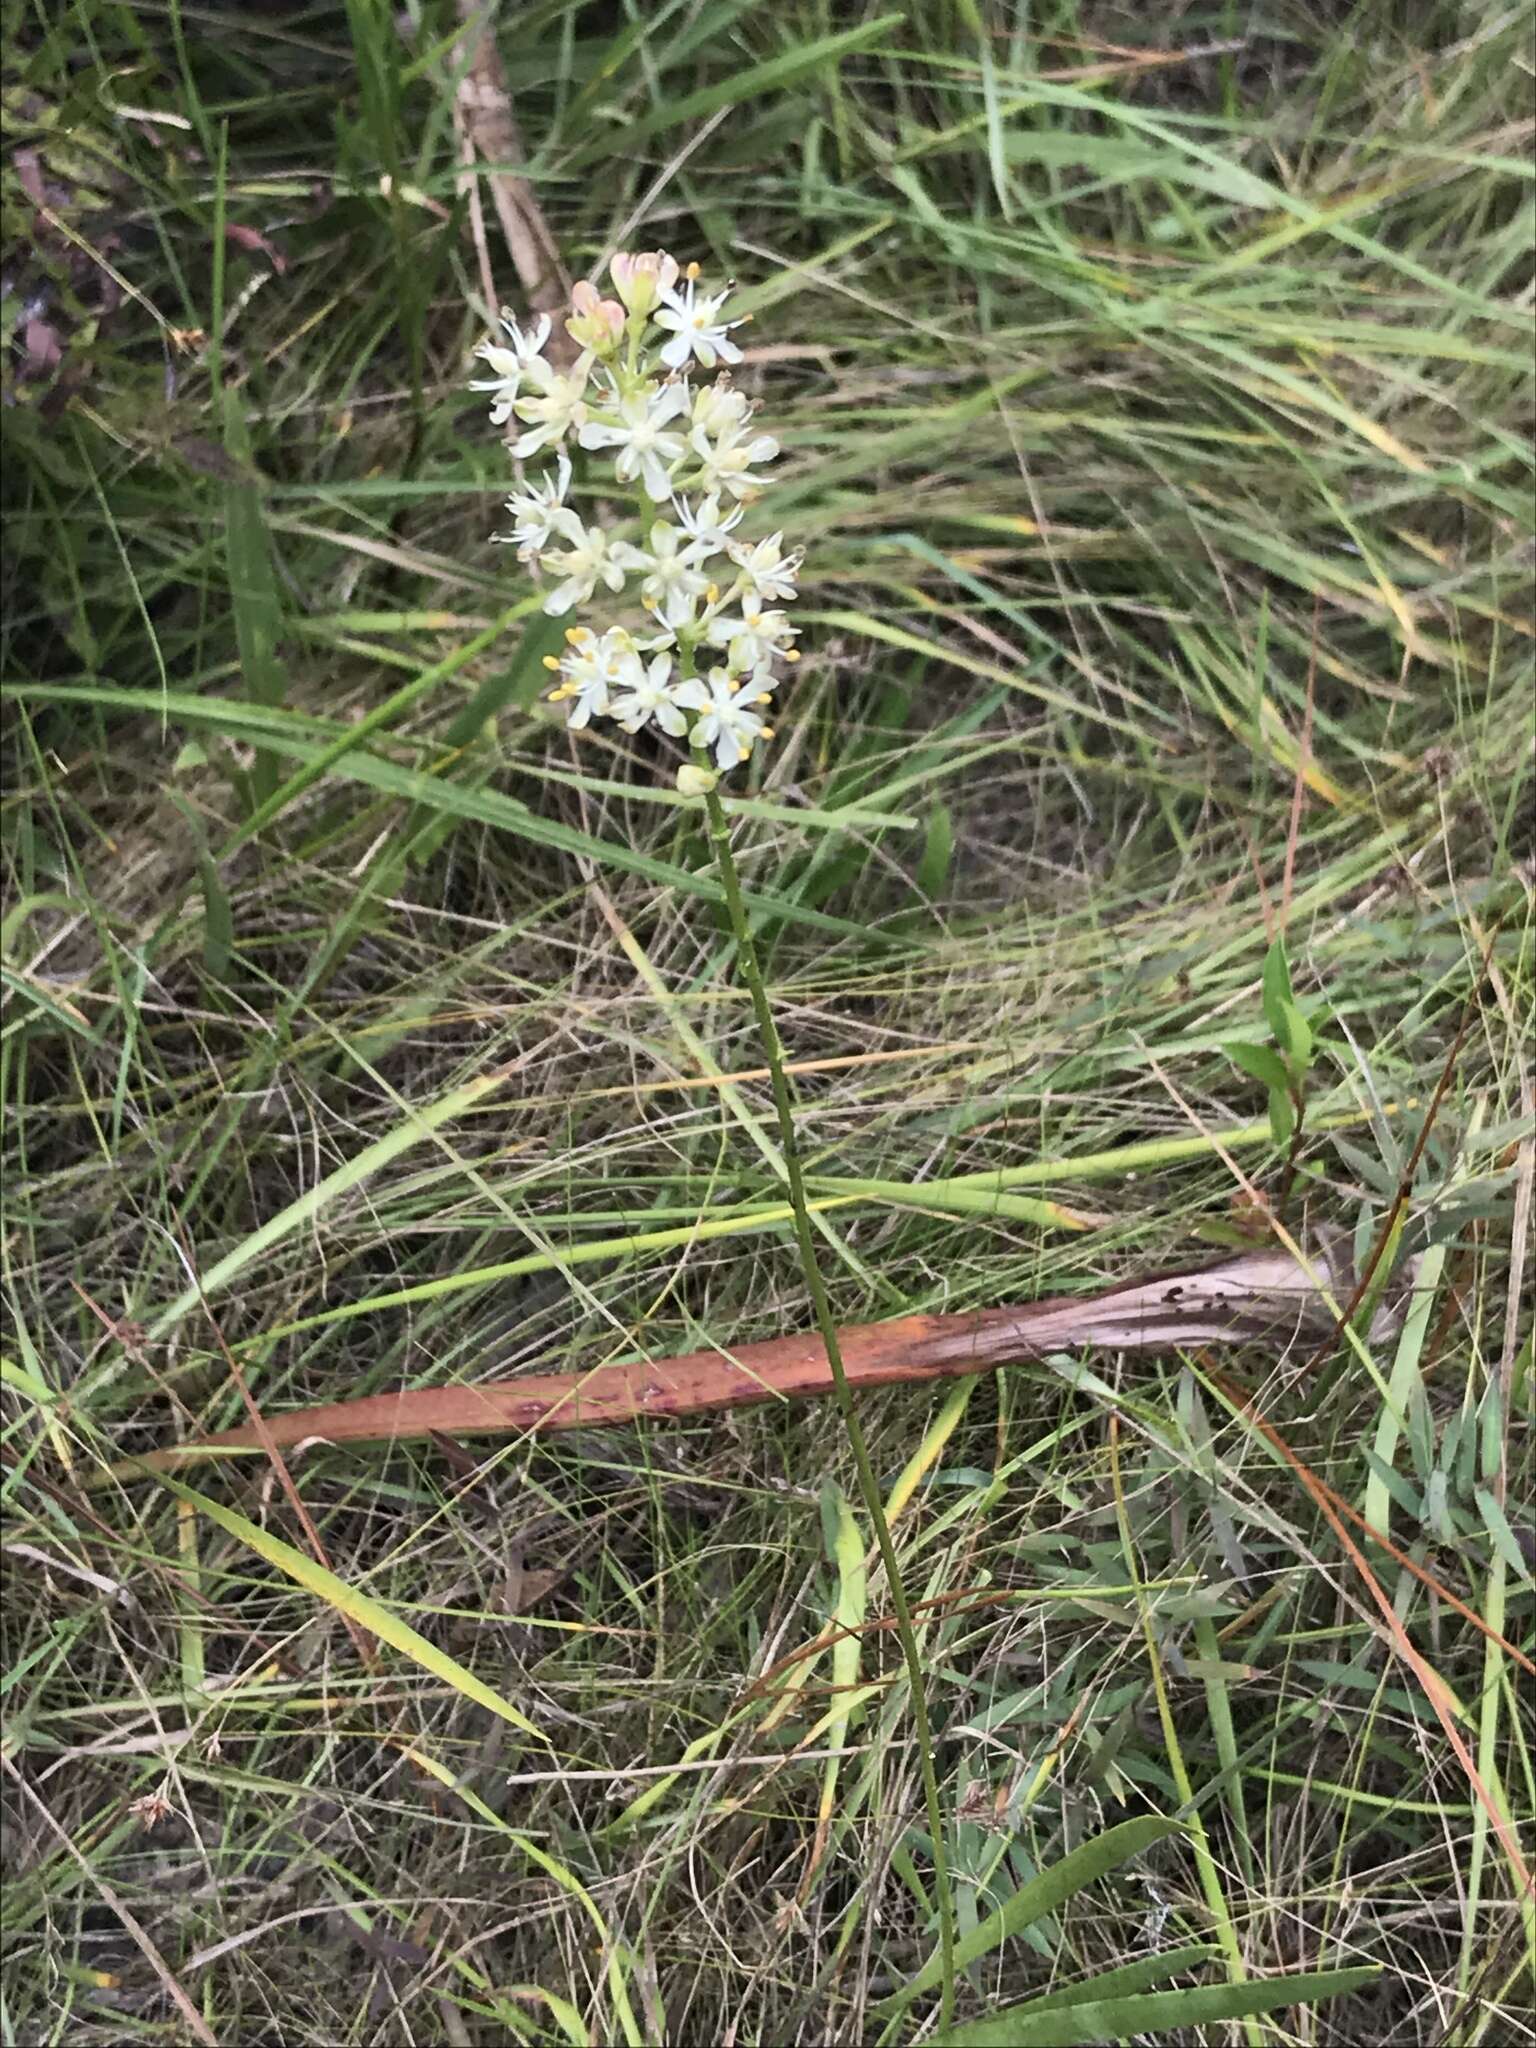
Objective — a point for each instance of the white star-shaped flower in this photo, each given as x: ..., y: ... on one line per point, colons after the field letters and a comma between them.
x: 509, y: 366
x: 539, y: 510
x: 585, y: 676
x: 558, y: 404
x: 590, y: 559
x: 709, y: 532
x: 673, y: 578
x: 765, y: 569
x: 651, y: 700
x: 727, y: 464
x: 729, y: 720
x: 752, y: 636
x: 647, y: 450
x: 696, y: 328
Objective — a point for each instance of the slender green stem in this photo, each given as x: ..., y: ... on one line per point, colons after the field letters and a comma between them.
x: 720, y: 836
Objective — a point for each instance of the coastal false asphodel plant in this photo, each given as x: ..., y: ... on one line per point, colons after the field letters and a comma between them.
x: 696, y: 653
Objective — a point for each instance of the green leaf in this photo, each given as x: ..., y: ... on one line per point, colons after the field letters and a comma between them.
x: 1260, y: 1062
x: 1141, y: 1975
x: 218, y: 918
x: 1042, y: 1895
x: 253, y: 590
x: 1042, y: 2025
x: 1500, y: 1534
x: 358, y: 1606
x: 938, y: 846
x: 1279, y: 1000
x: 1298, y: 1035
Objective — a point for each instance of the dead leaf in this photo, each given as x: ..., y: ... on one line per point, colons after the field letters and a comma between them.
x: 251, y: 240
x: 44, y: 350
x: 488, y: 130
x: 1261, y: 1297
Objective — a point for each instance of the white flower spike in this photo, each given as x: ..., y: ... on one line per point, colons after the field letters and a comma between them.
x: 687, y: 460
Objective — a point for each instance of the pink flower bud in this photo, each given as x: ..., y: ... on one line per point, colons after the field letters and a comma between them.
x: 595, y: 322
x: 640, y: 280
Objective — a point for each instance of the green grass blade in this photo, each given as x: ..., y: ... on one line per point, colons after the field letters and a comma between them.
x: 1125, y: 2019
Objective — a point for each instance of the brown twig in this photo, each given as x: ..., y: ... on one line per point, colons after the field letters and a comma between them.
x: 489, y: 128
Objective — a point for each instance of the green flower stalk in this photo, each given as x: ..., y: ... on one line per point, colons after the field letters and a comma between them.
x: 702, y: 669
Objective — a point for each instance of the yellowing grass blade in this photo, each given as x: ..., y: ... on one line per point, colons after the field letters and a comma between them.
x: 568, y: 1882
x: 356, y: 1606
x: 848, y: 1618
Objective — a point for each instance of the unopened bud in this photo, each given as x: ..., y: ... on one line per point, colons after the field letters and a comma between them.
x: 692, y: 780
x: 641, y: 280
x: 595, y: 322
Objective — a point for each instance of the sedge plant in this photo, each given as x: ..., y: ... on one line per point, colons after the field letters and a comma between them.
x: 684, y: 633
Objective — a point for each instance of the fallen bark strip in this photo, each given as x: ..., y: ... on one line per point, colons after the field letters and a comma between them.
x: 1261, y: 1297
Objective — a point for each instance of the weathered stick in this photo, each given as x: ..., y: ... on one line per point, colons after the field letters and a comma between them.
x: 1261, y: 1297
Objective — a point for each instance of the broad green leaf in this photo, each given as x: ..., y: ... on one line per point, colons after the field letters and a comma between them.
x: 1129, y: 1978
x: 938, y: 846
x: 1042, y: 1895
x: 1122, y: 2019
x: 1278, y: 998
x: 1500, y: 1534
x: 1260, y: 1062
x: 1298, y: 1036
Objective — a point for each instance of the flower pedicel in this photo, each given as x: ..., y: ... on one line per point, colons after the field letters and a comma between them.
x: 703, y: 668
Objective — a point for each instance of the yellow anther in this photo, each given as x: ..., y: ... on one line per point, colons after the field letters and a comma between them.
x: 550, y: 662
x: 712, y: 595
x: 766, y: 698
x: 766, y: 733
x: 694, y: 270
x: 791, y: 654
